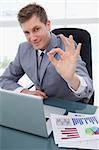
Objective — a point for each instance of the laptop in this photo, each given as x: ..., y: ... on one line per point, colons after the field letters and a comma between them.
x: 26, y: 113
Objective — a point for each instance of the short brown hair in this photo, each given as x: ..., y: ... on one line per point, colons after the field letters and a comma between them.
x: 32, y: 9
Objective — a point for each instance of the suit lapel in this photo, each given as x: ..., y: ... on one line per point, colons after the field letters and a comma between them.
x: 33, y: 61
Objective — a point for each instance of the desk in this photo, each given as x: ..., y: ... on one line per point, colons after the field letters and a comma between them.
x: 11, y: 139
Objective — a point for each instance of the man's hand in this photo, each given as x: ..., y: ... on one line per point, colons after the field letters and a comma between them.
x: 36, y: 92
x: 66, y: 65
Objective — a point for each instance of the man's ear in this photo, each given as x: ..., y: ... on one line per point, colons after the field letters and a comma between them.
x: 49, y: 25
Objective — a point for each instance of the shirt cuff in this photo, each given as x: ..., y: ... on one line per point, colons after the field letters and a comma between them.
x: 82, y: 86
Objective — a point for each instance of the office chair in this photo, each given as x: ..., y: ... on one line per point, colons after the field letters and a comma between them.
x: 80, y: 36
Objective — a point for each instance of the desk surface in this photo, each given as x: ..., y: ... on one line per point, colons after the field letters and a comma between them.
x: 11, y: 139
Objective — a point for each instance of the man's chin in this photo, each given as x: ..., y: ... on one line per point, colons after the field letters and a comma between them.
x: 38, y: 47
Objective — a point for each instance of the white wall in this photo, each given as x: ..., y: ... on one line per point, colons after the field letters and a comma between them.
x: 63, y: 13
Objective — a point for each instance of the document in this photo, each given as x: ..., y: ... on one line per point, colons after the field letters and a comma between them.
x: 76, y: 130
x: 88, y: 144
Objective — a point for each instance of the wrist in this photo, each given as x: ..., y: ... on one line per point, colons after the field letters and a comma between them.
x: 74, y: 82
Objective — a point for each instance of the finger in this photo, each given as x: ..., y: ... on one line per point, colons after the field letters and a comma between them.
x: 64, y: 40
x: 78, y: 49
x: 68, y: 42
x: 56, y: 50
x: 71, y: 40
x: 40, y: 92
x: 52, y: 59
x: 72, y: 43
x: 51, y: 55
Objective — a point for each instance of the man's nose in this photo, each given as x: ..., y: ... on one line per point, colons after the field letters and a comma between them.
x: 33, y: 37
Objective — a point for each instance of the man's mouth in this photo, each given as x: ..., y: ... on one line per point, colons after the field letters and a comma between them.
x: 36, y: 43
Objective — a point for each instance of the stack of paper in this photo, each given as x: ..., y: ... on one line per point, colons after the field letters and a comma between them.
x: 76, y: 130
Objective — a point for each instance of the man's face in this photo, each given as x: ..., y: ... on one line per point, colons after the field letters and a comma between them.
x: 36, y: 32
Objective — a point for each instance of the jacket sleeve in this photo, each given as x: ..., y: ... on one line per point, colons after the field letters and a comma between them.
x: 81, y: 70
x: 10, y: 77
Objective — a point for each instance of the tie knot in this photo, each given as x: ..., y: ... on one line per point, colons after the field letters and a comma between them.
x: 42, y: 54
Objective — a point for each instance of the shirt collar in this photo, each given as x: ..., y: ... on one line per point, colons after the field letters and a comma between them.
x: 39, y: 52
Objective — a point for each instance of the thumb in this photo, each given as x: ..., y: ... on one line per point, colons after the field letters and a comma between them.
x: 51, y: 58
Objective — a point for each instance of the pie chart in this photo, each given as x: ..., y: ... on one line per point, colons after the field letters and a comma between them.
x: 92, y: 130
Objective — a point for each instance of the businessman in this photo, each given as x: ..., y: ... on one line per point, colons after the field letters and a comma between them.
x: 57, y: 72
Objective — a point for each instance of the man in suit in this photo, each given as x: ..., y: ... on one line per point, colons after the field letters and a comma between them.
x: 61, y: 73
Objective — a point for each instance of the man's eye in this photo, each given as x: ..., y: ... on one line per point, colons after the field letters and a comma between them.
x: 26, y: 33
x: 36, y: 29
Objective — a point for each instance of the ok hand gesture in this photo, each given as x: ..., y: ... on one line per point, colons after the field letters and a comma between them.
x: 66, y: 65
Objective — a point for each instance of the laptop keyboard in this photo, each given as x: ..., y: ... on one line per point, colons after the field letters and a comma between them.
x: 53, y: 110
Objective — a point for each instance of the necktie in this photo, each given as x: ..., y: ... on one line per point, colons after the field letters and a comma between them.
x: 40, y: 58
